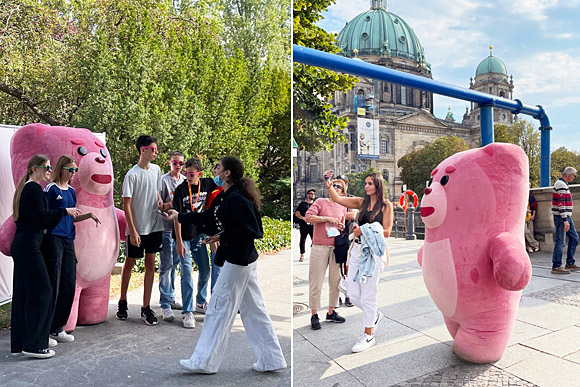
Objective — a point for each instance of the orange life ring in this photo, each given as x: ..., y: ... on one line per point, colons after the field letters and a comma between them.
x: 413, y: 195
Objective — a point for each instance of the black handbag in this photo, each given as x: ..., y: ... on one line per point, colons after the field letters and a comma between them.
x: 341, y: 245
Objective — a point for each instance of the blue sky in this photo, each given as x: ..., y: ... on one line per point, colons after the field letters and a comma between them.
x: 538, y: 40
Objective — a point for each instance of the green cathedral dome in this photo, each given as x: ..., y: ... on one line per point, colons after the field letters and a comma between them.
x: 379, y: 32
x: 491, y: 64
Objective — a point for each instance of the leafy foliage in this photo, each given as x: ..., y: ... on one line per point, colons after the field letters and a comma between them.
x: 315, y: 127
x: 524, y: 134
x: 416, y: 166
x: 562, y: 158
x: 276, y: 235
x: 173, y: 70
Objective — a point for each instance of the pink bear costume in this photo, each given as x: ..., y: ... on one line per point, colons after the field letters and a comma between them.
x: 97, y: 248
x: 474, y: 260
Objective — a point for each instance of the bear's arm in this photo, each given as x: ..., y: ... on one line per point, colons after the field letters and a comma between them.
x: 420, y: 256
x: 512, y: 269
x: 122, y: 222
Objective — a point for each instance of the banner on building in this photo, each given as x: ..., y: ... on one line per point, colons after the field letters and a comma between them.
x: 368, y: 138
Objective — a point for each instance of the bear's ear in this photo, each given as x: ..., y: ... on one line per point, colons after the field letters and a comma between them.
x: 489, y: 149
x: 39, y: 129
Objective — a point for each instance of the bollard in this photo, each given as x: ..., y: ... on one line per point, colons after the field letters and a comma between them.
x: 411, y: 223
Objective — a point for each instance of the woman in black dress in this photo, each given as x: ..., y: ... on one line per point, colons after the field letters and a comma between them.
x: 31, y: 300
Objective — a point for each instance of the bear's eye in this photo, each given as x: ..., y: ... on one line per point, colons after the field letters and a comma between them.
x: 82, y: 150
x: 444, y: 180
x: 429, y: 183
x: 103, y: 153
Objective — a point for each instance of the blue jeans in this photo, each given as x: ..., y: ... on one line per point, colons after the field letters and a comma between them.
x: 201, y: 259
x: 215, y: 271
x: 167, y: 273
x: 560, y: 238
x: 168, y: 260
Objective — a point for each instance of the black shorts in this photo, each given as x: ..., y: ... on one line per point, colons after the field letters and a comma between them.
x: 150, y: 244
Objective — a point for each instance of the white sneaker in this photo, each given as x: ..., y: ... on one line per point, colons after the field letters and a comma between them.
x: 201, y: 308
x: 168, y: 314
x: 364, y: 342
x: 256, y: 367
x: 62, y: 337
x: 188, y: 320
x: 40, y: 354
x: 377, y: 321
x: 186, y: 364
x: 52, y: 343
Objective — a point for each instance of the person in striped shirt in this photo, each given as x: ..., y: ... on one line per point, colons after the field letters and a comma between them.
x: 562, y: 211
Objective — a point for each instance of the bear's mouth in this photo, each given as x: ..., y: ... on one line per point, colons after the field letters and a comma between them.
x: 102, y: 179
x: 426, y: 211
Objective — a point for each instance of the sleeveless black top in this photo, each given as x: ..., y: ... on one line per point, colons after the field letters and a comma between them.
x: 366, y: 217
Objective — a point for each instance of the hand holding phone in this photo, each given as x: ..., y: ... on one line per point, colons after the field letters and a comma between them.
x: 214, y: 238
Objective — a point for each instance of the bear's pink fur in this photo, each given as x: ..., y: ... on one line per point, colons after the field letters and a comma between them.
x: 96, y: 248
x: 474, y: 260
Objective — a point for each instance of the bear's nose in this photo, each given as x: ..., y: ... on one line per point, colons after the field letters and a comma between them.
x: 428, y: 191
x: 100, y: 160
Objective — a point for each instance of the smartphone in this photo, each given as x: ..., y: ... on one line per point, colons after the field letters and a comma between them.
x: 213, y: 236
x: 327, y: 174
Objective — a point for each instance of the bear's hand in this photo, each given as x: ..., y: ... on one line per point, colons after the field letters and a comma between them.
x: 7, y: 231
x: 511, y: 265
x: 122, y: 222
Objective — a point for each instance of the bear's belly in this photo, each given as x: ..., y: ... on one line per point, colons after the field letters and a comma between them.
x: 97, y: 248
x: 439, y: 275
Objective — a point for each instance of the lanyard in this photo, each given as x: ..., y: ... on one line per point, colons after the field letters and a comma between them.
x: 190, y: 196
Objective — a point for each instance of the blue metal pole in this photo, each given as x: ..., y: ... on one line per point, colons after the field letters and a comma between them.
x: 360, y: 68
x: 486, y: 121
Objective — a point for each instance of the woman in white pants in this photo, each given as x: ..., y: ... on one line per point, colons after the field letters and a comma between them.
x: 234, y: 217
x: 374, y: 208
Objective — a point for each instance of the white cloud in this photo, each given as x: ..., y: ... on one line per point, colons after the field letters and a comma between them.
x: 531, y: 9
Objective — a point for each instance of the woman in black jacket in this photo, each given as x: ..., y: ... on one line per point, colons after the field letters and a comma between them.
x: 31, y: 300
x: 234, y: 215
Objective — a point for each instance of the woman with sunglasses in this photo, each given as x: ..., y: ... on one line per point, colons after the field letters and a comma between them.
x: 235, y: 211
x: 31, y: 299
x: 376, y: 213
x: 58, y: 246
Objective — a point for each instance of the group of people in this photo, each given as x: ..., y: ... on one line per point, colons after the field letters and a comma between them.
x: 365, y: 258
x: 44, y: 257
x: 169, y: 214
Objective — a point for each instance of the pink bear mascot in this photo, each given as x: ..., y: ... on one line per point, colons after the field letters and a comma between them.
x: 96, y: 248
x: 474, y: 260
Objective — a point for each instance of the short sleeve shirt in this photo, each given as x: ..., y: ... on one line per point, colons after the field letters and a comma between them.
x: 168, y: 186
x: 61, y: 198
x: 142, y: 186
x: 324, y: 207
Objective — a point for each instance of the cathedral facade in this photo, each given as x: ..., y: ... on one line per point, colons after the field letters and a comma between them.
x: 404, y: 115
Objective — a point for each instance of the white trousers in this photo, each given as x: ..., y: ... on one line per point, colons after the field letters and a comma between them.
x: 364, y: 294
x: 237, y: 289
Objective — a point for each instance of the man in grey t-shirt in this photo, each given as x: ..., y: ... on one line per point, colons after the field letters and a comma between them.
x: 142, y: 204
x: 168, y: 258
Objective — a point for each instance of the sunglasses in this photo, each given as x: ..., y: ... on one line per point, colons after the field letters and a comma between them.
x: 71, y: 169
x: 47, y: 167
x: 191, y: 174
x: 337, y: 186
x: 153, y: 148
x: 175, y: 162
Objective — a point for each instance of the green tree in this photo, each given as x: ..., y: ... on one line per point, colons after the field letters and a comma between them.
x: 562, y: 158
x: 126, y: 68
x: 416, y: 166
x: 315, y: 127
x: 524, y: 134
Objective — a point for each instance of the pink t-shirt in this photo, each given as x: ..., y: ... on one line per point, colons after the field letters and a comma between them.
x: 324, y: 207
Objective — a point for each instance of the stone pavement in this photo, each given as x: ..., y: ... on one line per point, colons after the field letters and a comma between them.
x: 119, y: 353
x: 413, y: 345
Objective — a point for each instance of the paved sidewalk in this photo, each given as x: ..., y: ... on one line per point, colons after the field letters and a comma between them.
x: 119, y: 353
x: 413, y: 345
